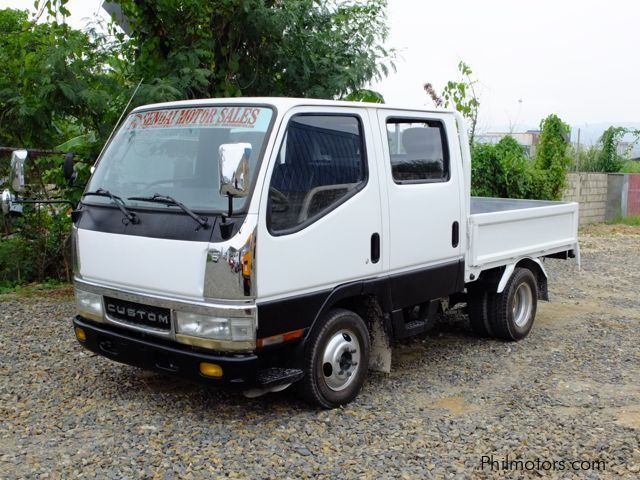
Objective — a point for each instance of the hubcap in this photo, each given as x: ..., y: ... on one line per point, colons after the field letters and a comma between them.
x: 341, y: 360
x: 522, y: 304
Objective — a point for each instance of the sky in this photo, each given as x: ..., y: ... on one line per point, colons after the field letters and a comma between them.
x: 576, y: 58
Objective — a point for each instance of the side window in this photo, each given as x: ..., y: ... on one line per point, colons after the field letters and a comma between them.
x: 321, y: 163
x: 418, y: 151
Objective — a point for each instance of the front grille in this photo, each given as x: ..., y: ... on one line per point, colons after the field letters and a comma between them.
x: 138, y: 314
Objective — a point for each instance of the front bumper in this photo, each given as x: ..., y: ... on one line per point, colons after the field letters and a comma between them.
x: 238, y: 370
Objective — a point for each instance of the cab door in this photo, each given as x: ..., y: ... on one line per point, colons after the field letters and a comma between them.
x: 423, y: 184
x: 319, y: 218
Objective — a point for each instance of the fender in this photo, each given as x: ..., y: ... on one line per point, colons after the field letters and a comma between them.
x: 377, y: 287
x: 540, y: 273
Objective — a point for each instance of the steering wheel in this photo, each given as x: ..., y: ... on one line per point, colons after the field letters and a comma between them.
x: 279, y: 199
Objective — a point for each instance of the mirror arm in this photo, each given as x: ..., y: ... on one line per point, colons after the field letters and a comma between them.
x: 226, y: 226
x: 230, y: 211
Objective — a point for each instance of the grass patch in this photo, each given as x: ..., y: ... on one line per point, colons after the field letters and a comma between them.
x: 631, y: 166
x: 610, y: 229
x: 48, y: 288
x: 632, y: 220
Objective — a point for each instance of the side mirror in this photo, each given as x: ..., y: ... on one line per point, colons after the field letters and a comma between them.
x: 234, y: 169
x: 67, y: 168
x: 16, y: 177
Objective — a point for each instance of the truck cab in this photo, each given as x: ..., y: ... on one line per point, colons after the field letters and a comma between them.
x: 263, y: 242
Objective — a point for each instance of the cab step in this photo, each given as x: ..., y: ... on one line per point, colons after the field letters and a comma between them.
x: 274, y: 376
x: 273, y: 379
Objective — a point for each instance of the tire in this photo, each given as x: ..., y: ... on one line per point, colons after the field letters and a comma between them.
x: 336, y: 359
x: 479, y: 308
x: 514, y: 310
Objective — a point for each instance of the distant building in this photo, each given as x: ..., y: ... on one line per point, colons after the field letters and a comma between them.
x: 527, y: 140
x: 625, y: 150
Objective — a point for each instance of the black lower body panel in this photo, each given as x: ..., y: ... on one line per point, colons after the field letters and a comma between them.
x: 238, y: 370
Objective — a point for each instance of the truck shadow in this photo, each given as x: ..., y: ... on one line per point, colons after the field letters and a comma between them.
x: 439, y: 350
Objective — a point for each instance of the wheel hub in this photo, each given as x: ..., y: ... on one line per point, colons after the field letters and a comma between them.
x: 341, y: 360
x: 522, y: 304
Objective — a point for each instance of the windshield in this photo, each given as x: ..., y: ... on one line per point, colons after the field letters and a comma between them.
x: 175, y: 152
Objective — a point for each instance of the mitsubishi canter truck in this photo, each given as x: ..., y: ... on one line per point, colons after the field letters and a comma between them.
x: 265, y: 242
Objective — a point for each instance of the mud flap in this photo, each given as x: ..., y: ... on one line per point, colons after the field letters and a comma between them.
x: 380, y: 356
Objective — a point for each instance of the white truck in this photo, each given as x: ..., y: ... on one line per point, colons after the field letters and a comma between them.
x: 262, y: 242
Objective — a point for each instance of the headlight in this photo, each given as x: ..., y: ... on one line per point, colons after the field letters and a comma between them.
x: 203, y: 326
x: 218, y: 328
x: 89, y: 305
x: 217, y: 333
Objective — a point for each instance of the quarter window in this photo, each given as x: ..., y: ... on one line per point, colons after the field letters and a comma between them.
x: 321, y: 163
x: 418, y: 151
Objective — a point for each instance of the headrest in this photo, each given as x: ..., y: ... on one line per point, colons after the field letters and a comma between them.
x: 423, y: 141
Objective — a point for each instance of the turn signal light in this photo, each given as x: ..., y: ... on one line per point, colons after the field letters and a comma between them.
x: 210, y: 370
x: 80, y: 334
x: 276, y: 339
x: 247, y: 258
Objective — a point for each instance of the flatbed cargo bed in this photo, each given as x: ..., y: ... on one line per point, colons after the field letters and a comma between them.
x: 504, y: 229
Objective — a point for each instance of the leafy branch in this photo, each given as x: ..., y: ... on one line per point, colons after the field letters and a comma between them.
x: 460, y: 94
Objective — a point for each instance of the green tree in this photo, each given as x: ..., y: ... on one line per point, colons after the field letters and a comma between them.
x: 365, y: 95
x: 605, y: 156
x: 552, y: 160
x: 56, y: 83
x: 586, y: 158
x: 486, y: 172
x: 503, y: 170
x: 303, y: 48
x: 57, y: 86
x: 608, y: 159
x: 554, y: 142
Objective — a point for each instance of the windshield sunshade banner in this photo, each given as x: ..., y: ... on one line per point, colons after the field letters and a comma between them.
x: 214, y: 117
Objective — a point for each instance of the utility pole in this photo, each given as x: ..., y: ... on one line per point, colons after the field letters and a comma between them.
x: 578, y: 151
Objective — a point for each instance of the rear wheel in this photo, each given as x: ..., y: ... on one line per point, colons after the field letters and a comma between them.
x: 336, y: 359
x: 514, y: 310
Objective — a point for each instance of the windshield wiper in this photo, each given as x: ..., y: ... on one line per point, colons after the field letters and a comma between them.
x: 166, y: 200
x: 117, y: 201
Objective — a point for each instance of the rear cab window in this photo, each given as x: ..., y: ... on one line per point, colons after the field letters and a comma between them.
x: 418, y: 150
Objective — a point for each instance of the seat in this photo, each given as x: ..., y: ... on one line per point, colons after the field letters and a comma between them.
x: 423, y: 157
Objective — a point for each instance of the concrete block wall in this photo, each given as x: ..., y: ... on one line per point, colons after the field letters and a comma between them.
x: 590, y: 191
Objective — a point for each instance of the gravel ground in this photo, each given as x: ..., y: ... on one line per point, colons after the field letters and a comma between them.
x: 570, y: 391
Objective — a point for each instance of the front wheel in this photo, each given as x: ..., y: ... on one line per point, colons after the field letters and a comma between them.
x: 336, y: 359
x: 515, y: 308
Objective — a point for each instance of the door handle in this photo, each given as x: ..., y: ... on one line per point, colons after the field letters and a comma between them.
x: 455, y: 234
x: 375, y: 248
